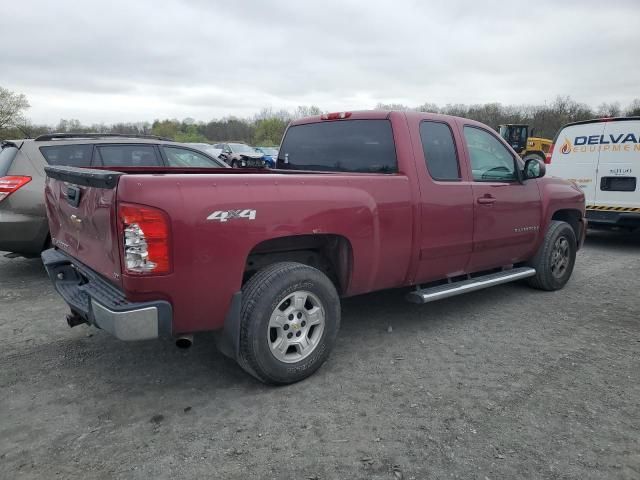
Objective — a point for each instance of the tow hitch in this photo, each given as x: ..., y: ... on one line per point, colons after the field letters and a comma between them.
x: 73, y: 320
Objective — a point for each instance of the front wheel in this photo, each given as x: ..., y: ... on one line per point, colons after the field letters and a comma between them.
x: 533, y: 156
x: 290, y: 318
x: 556, y: 257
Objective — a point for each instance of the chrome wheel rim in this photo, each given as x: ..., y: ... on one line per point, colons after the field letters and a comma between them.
x: 296, y: 326
x: 560, y: 257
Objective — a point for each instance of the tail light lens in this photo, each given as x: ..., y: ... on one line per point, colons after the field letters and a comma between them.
x: 146, y: 239
x: 8, y: 185
x: 547, y: 157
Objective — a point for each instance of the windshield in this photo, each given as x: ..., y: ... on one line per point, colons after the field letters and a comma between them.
x: 269, y: 151
x: 514, y: 133
x: 205, y: 147
x: 180, y: 157
x: 212, y: 151
x: 241, y: 148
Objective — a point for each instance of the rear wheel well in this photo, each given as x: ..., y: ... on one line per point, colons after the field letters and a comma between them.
x: 331, y: 254
x: 572, y: 217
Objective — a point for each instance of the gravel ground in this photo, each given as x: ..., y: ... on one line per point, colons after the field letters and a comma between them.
x: 504, y: 383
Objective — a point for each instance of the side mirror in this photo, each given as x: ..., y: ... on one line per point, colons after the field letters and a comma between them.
x: 534, y: 168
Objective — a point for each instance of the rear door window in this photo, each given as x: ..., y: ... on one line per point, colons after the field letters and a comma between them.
x: 68, y: 155
x: 128, y: 156
x: 618, y: 184
x: 365, y: 146
x: 439, y: 151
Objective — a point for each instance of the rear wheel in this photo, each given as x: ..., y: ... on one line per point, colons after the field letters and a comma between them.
x: 290, y: 318
x: 556, y: 257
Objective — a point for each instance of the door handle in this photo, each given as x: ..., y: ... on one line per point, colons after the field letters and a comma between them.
x: 486, y: 200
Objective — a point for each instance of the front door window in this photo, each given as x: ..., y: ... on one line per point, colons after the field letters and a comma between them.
x: 491, y: 161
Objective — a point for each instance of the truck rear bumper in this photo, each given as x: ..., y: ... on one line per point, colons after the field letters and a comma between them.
x: 98, y: 302
x: 613, y: 218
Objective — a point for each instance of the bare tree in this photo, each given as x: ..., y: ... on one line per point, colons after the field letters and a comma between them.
x: 306, y: 111
x: 12, y: 107
x: 633, y: 110
x: 429, y: 107
x: 393, y: 106
x: 609, y: 110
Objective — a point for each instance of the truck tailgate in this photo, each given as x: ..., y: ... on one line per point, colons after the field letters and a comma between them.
x: 81, y: 207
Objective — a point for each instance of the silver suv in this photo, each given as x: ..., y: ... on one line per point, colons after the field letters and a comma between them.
x: 23, y: 220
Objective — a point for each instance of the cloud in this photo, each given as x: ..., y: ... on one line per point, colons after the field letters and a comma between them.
x: 143, y: 60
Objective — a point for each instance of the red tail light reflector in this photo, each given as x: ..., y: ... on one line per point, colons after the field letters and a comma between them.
x: 547, y: 157
x: 10, y: 184
x: 145, y: 239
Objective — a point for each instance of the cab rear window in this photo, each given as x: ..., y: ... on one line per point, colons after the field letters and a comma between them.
x: 364, y: 146
x: 68, y: 155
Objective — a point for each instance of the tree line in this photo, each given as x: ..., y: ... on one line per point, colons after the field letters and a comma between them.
x: 267, y: 126
x: 546, y: 119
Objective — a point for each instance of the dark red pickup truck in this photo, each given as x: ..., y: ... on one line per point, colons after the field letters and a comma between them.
x: 361, y: 201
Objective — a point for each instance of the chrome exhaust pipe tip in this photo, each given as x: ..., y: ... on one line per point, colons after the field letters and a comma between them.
x: 184, y: 341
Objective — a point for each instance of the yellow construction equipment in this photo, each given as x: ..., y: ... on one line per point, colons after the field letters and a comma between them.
x: 517, y: 135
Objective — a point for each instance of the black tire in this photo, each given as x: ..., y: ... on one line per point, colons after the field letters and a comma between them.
x: 536, y: 156
x: 265, y: 292
x: 234, y: 164
x: 550, y: 275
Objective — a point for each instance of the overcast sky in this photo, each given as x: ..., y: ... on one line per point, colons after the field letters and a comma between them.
x: 141, y: 60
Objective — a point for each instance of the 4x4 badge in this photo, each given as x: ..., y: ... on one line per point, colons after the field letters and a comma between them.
x: 226, y: 215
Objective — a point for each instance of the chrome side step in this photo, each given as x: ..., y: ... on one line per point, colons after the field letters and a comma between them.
x: 426, y: 295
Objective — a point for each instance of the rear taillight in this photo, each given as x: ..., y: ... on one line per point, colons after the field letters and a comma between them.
x: 547, y: 157
x: 8, y: 185
x: 145, y: 237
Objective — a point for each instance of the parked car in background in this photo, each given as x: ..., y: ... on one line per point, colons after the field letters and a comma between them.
x: 371, y: 200
x: 208, y: 148
x: 270, y: 155
x: 603, y: 157
x: 241, y: 155
x: 23, y: 222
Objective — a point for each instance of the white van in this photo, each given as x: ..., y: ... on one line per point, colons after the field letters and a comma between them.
x: 603, y: 157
